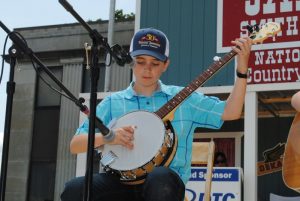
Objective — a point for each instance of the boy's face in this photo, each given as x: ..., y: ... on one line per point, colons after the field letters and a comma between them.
x: 148, y: 70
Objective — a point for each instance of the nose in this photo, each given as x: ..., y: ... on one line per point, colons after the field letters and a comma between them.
x: 147, y: 67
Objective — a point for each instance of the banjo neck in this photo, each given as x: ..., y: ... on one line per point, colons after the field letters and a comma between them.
x: 173, y: 103
x: 258, y: 35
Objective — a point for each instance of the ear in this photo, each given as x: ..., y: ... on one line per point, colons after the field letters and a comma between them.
x: 166, y: 64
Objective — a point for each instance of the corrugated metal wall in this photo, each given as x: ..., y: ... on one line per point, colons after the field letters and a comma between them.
x: 191, y: 27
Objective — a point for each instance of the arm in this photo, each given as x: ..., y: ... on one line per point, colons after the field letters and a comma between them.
x: 296, y: 101
x: 123, y: 136
x: 79, y: 142
x: 235, y: 101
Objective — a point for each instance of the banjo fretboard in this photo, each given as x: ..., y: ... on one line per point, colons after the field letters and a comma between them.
x: 194, y: 85
x: 257, y: 35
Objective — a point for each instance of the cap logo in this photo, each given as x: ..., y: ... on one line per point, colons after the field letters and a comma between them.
x: 150, y: 41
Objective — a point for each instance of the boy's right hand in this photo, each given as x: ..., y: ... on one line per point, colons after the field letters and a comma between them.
x: 124, y: 136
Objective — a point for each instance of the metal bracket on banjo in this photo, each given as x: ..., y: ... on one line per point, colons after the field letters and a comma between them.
x: 108, y: 158
x: 171, y: 139
x: 130, y: 177
x: 170, y: 133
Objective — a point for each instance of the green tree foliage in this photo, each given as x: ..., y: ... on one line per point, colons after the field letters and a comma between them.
x: 120, y: 16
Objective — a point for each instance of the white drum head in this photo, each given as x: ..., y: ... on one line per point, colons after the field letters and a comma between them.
x: 148, y: 139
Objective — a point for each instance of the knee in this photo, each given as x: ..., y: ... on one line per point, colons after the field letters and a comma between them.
x: 163, y: 177
x: 162, y: 174
x: 164, y: 182
x: 73, y: 190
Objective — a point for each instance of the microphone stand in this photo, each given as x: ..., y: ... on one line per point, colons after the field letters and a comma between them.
x: 19, y: 45
x: 10, y: 89
x: 121, y: 57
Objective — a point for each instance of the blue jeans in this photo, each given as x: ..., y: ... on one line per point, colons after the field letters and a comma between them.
x: 162, y: 184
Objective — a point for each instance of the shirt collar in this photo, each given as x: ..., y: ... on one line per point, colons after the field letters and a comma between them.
x: 162, y: 88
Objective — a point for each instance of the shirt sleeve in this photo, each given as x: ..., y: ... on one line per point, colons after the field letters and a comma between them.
x: 207, y: 110
x: 102, y: 112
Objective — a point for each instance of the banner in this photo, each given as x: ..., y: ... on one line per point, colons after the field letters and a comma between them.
x: 226, y: 184
x: 277, y: 60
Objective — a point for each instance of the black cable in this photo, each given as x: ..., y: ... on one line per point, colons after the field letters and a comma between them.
x: 2, y: 68
x: 35, y: 68
x: 48, y: 84
x: 40, y: 76
x: 4, y: 47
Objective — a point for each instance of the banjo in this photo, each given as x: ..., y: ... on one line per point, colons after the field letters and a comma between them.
x: 155, y: 143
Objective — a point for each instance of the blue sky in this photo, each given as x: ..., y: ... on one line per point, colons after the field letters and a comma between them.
x: 30, y: 13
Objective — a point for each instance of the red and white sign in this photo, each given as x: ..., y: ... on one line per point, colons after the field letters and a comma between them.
x: 277, y: 60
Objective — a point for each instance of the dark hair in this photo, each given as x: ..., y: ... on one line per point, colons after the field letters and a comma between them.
x: 222, y: 155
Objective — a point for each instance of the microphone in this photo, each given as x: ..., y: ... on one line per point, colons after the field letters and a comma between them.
x: 103, y: 129
x: 108, y: 134
x: 120, y: 55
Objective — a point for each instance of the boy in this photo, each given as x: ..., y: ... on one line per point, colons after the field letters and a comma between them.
x: 150, y: 51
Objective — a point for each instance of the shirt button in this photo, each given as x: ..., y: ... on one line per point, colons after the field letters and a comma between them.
x: 147, y: 103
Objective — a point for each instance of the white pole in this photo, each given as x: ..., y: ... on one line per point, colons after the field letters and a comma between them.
x: 110, y: 38
x: 250, y: 147
x: 137, y: 23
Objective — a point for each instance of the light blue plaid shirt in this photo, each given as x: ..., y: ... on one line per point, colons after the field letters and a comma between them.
x: 197, y: 110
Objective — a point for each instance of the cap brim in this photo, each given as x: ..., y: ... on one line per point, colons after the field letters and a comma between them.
x: 150, y: 53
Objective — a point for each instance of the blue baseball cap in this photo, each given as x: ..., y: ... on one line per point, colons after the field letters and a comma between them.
x: 150, y: 41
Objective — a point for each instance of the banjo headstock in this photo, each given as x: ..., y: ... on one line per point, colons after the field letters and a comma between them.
x: 258, y: 35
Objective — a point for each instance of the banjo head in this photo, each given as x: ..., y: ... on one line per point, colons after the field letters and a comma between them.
x: 148, y: 138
